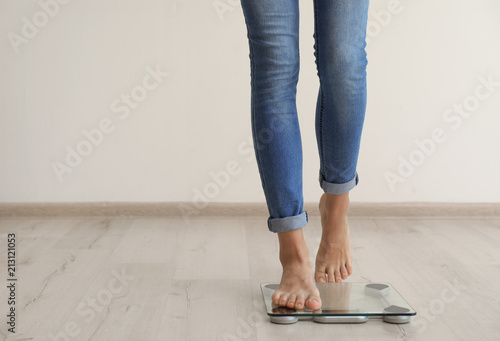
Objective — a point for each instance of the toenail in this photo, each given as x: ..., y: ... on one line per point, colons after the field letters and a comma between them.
x: 322, y: 280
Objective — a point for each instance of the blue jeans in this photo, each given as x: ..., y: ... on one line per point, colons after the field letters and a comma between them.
x: 273, y: 35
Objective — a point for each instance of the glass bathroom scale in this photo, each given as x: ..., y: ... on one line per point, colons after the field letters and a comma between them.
x: 345, y: 302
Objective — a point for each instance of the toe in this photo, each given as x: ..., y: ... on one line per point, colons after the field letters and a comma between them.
x: 313, y: 303
x: 343, y: 272
x: 331, y: 275
x: 291, y: 301
x: 276, y: 297
x: 283, y: 300
x: 299, y: 303
x: 348, y: 268
x: 338, y: 277
x: 319, y: 276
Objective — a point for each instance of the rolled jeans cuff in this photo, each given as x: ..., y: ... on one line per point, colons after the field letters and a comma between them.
x: 334, y: 188
x: 287, y: 223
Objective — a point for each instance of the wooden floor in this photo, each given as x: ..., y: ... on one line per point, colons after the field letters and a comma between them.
x: 198, y: 279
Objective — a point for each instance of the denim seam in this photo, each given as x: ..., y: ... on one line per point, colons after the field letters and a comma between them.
x: 321, y: 152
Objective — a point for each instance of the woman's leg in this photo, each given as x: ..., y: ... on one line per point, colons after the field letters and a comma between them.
x: 340, y: 32
x: 273, y: 34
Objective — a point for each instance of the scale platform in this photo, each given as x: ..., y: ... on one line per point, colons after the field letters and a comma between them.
x: 345, y: 302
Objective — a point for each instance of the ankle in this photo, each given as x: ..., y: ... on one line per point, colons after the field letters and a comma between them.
x: 296, y: 256
x: 334, y: 206
x: 293, y: 247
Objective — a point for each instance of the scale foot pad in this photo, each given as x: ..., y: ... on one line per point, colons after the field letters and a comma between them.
x: 284, y: 319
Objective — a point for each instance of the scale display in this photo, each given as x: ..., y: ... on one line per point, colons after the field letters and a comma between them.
x: 345, y: 302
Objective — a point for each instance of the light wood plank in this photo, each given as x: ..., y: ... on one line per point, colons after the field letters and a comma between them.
x: 213, y: 248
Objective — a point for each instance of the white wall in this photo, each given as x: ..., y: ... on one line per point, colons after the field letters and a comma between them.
x: 425, y: 59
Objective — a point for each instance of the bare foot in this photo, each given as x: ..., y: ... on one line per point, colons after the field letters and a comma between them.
x: 334, y: 258
x: 296, y: 288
